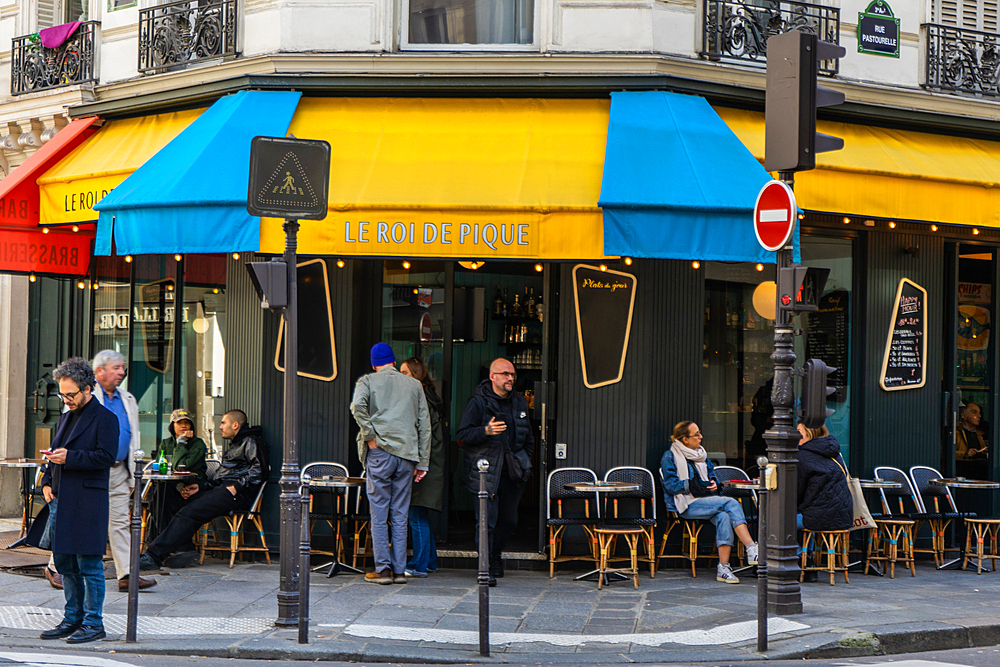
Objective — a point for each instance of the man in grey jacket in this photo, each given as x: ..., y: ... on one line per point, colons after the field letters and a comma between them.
x: 394, y: 446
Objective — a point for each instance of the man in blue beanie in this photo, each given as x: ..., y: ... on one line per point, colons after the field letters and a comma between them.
x: 394, y: 446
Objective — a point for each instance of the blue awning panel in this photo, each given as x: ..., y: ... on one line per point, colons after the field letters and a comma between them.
x: 191, y: 196
x: 677, y: 183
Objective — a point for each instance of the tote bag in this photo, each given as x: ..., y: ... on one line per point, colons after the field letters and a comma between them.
x: 862, y: 517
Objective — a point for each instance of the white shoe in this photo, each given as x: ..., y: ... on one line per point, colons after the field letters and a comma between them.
x: 752, y: 554
x: 724, y: 574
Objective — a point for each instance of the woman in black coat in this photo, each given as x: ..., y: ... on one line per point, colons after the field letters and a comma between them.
x: 824, y: 499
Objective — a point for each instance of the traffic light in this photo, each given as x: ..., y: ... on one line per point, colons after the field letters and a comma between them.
x: 800, y: 287
x: 270, y: 279
x: 792, y: 96
x: 814, y: 393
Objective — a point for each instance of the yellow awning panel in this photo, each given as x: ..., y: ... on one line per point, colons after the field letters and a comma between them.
x: 893, y: 174
x: 473, y: 178
x: 70, y: 189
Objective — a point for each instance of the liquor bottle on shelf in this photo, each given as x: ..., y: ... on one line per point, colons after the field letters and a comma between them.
x: 529, y: 305
x: 498, y: 303
x: 515, y: 310
x: 539, y: 308
x: 506, y: 304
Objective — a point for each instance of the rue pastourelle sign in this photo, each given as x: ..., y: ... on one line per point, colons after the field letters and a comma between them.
x: 878, y: 30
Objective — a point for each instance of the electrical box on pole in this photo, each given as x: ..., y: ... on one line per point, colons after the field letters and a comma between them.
x: 792, y: 97
x: 814, y: 392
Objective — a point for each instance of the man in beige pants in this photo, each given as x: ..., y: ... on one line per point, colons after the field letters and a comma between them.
x: 109, y: 370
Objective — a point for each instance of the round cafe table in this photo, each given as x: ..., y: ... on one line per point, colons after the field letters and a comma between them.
x: 963, y: 483
x: 863, y: 564
x: 598, y: 488
x: 335, y: 566
x: 28, y: 468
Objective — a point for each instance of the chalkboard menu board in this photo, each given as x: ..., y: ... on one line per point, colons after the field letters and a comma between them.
x: 827, y: 338
x: 906, y: 347
x: 604, y: 302
x: 317, y: 346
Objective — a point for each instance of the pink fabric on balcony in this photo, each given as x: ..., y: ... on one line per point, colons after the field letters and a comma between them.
x: 56, y: 36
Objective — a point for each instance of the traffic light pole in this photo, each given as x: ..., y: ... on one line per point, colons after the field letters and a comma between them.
x: 783, y: 594
x: 288, y: 583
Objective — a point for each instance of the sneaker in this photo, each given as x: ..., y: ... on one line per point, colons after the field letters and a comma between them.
x: 383, y: 577
x: 415, y: 574
x: 724, y: 574
x: 147, y: 562
x: 752, y: 551
x: 182, y: 559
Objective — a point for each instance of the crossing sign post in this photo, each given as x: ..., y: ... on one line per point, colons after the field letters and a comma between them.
x: 290, y: 179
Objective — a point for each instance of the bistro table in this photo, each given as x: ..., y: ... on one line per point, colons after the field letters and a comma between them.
x: 28, y: 468
x: 599, y: 488
x: 158, y: 500
x: 876, y: 483
x: 962, y: 483
x: 336, y: 567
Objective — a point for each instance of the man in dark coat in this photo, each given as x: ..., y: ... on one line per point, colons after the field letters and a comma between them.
x: 496, y: 423
x: 83, y: 450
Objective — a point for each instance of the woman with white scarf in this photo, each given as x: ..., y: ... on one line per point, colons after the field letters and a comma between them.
x: 685, y: 459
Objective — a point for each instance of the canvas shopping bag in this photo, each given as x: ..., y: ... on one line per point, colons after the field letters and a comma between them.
x: 862, y: 517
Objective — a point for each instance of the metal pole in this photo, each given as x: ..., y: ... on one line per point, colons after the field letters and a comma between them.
x: 784, y: 597
x: 288, y: 587
x: 135, y: 543
x: 484, y: 562
x: 304, y: 564
x: 762, y: 558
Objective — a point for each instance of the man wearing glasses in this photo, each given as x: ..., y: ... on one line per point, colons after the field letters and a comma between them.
x: 75, y: 485
x: 496, y: 427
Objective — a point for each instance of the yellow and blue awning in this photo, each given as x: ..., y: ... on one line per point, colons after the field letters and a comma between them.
x: 677, y: 183
x: 190, y: 197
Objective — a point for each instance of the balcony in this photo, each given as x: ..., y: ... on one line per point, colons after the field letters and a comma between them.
x: 35, y: 67
x: 962, y: 61
x: 738, y: 30
x: 178, y: 34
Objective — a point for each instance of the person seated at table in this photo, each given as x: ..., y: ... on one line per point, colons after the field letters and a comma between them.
x: 970, y: 442
x: 185, y: 451
x: 824, y: 499
x: 232, y: 488
x: 691, y: 489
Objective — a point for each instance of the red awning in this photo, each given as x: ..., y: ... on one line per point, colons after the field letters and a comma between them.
x: 33, y: 250
x: 19, y: 191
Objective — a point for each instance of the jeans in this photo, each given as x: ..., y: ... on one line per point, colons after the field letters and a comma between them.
x: 83, y: 586
x: 725, y: 514
x: 390, y: 483
x: 501, y: 519
x: 425, y: 555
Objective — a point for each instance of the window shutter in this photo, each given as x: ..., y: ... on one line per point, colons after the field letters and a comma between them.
x: 970, y: 14
x: 48, y: 12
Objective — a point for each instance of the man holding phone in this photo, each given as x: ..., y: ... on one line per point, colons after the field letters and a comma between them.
x: 496, y: 427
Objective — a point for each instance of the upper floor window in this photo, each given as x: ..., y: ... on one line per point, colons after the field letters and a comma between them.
x: 970, y: 14
x: 57, y: 12
x: 468, y: 24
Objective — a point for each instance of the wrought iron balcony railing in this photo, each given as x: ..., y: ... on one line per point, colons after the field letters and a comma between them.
x: 962, y: 60
x: 176, y: 34
x: 34, y: 67
x: 739, y: 29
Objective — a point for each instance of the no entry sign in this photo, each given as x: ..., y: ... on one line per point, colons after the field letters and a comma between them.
x: 774, y: 215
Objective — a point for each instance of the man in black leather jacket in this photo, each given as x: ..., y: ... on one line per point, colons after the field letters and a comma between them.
x: 233, y: 487
x: 496, y: 426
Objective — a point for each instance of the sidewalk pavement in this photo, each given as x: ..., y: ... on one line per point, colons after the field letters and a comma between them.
x: 216, y: 611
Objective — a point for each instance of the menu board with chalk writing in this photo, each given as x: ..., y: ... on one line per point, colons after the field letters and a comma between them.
x: 903, y: 366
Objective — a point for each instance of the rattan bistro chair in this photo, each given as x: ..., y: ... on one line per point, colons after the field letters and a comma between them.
x: 566, y: 508
x: 633, y: 508
x: 236, y: 521
x: 933, y: 496
x: 690, y: 529
x: 326, y: 504
x: 747, y: 499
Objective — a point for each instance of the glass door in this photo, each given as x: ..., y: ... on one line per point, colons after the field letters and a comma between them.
x: 974, y: 362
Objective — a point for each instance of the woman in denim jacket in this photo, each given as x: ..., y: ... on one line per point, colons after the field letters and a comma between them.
x: 685, y: 459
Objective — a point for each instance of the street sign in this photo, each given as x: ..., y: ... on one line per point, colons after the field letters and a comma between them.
x: 289, y: 178
x: 425, y: 330
x: 774, y: 215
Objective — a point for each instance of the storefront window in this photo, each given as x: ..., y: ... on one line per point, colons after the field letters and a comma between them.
x: 737, y: 368
x: 111, y: 305
x: 413, y: 313
x: 470, y: 22
x: 826, y: 334
x: 975, y: 358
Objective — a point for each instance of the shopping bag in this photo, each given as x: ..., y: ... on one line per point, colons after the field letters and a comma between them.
x: 862, y: 517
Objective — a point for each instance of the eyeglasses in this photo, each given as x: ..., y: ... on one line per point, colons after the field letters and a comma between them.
x: 70, y: 396
x: 694, y: 435
x: 506, y: 374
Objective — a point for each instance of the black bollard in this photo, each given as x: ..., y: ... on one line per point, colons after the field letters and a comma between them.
x: 762, y: 557
x: 135, y: 543
x: 304, y: 563
x: 484, y: 562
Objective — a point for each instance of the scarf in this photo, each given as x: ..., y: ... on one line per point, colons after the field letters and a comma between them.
x: 682, y: 455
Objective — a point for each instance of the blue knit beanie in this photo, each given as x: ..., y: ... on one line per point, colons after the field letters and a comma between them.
x: 382, y: 355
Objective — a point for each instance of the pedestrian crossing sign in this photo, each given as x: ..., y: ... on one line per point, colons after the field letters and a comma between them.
x: 289, y: 178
